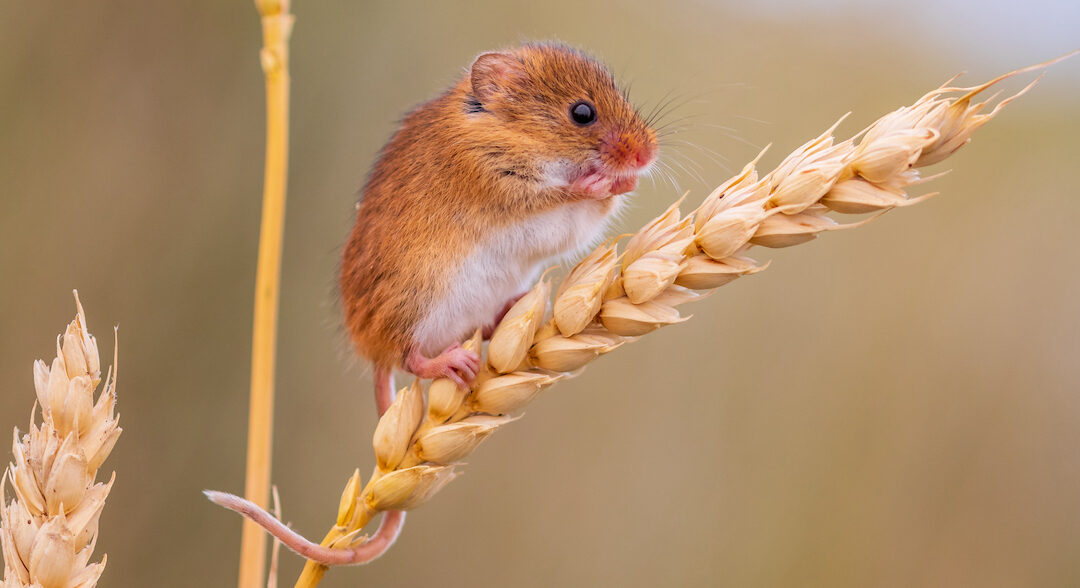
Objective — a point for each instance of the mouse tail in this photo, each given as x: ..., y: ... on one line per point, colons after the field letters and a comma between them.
x: 368, y: 551
x: 384, y: 388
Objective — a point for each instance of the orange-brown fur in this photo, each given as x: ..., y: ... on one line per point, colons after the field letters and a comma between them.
x: 452, y: 173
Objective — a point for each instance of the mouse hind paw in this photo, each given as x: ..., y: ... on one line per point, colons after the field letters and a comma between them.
x: 456, y: 363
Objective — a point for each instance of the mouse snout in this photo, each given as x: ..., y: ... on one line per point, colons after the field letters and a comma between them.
x: 628, y: 150
x: 645, y: 156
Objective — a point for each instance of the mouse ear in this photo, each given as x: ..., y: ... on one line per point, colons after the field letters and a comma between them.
x: 493, y: 74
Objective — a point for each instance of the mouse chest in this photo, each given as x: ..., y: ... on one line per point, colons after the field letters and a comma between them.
x: 505, y: 264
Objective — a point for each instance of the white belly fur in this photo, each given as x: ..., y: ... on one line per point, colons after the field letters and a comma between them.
x: 506, y: 265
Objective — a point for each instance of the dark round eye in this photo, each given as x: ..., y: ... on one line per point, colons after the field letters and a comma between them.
x: 583, y: 112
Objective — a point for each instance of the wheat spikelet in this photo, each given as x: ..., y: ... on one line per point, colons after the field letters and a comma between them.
x: 49, y: 530
x: 607, y: 300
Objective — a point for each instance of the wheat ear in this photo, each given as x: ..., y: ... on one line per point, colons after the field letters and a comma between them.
x: 609, y: 299
x: 49, y: 530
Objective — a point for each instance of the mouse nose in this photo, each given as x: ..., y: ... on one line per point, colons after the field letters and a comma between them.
x: 629, y: 149
x: 645, y: 155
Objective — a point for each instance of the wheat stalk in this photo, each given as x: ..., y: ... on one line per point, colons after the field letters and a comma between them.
x: 607, y: 300
x: 277, y: 25
x: 49, y: 530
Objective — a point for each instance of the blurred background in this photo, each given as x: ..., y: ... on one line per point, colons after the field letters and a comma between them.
x: 897, y: 405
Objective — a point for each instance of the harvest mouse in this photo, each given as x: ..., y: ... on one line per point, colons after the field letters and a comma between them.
x: 520, y: 162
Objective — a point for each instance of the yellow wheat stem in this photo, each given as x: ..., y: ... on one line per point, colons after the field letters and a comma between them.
x: 277, y: 26
x: 49, y: 530
x: 609, y: 299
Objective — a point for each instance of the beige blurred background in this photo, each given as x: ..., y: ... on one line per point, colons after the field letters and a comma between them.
x: 897, y: 405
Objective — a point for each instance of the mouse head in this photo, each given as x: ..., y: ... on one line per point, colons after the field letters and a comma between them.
x: 568, y: 107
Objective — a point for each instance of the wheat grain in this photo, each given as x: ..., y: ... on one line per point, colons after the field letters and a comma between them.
x: 49, y: 530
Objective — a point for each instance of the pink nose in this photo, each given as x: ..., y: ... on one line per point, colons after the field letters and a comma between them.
x: 629, y: 149
x: 644, y: 156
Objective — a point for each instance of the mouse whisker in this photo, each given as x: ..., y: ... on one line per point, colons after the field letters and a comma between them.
x: 688, y: 164
x: 661, y: 107
x: 683, y: 119
x: 658, y: 170
x: 677, y: 102
x: 669, y: 174
x: 715, y: 156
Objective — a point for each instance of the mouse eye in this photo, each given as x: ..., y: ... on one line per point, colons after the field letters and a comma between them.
x: 583, y: 112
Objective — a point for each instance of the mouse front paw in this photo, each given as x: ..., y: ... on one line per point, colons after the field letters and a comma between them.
x: 623, y: 185
x: 598, y: 185
x: 592, y: 185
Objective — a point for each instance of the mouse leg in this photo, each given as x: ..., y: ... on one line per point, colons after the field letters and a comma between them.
x: 456, y: 362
